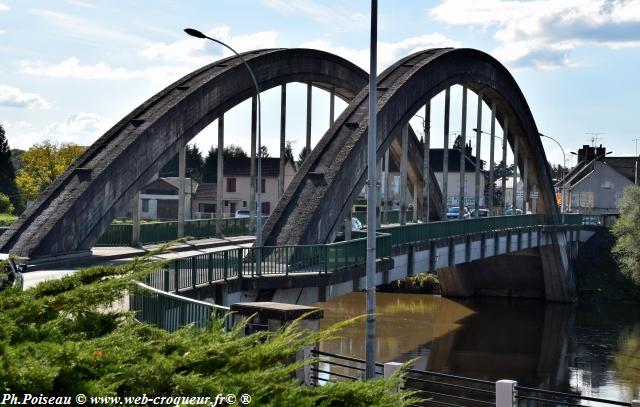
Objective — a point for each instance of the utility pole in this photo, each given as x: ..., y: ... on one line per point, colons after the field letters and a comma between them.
x: 636, y: 140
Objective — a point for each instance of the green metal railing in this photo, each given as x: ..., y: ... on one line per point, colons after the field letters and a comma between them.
x: 190, y: 272
x: 171, y: 312
x: 119, y: 234
x: 417, y: 232
x: 391, y: 216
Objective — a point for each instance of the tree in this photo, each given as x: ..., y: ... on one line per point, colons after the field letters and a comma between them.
x: 42, y: 164
x: 234, y: 151
x: 264, y: 152
x: 457, y: 144
x: 194, y: 164
x: 5, y: 204
x: 558, y: 171
x: 303, y: 155
x: 627, y: 232
x: 64, y: 337
x: 500, y: 170
x: 7, y: 170
x: 288, y: 152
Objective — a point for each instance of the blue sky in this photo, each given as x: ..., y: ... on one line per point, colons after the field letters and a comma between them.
x: 70, y: 69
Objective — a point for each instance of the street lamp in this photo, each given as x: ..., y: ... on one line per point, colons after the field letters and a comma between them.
x: 564, y: 175
x: 195, y: 33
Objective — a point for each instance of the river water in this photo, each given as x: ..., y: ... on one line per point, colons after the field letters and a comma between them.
x: 590, y: 349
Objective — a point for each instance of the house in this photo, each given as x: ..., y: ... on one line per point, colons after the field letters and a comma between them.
x: 436, y: 160
x: 237, y: 187
x: 159, y: 199
x: 596, y: 184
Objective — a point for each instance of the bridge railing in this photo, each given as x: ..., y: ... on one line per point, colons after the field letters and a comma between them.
x: 171, y: 312
x: 119, y: 234
x: 193, y: 271
x: 417, y: 232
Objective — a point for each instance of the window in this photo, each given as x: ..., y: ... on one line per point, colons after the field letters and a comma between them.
x: 266, y: 208
x: 231, y: 185
x: 264, y: 184
x: 207, y: 208
x: 226, y: 203
x: 244, y: 204
x: 145, y: 205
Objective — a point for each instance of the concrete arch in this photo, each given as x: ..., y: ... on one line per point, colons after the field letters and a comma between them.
x: 74, y: 212
x: 335, y: 171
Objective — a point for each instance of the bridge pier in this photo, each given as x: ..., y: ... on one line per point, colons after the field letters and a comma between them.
x: 556, y: 267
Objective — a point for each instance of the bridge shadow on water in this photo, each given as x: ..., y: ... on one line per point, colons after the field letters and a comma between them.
x: 571, y: 348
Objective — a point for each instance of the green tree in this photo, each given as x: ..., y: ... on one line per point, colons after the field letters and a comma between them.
x: 194, y: 164
x: 5, y: 204
x: 42, y: 164
x: 288, y: 152
x: 558, y: 171
x: 64, y: 337
x: 627, y: 232
x: 210, y: 168
x: 303, y: 155
x: 264, y: 152
x: 233, y: 150
x: 7, y: 171
x: 500, y: 170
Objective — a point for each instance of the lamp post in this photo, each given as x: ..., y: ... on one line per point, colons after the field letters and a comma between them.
x: 370, y: 342
x: 195, y: 33
x: 564, y: 175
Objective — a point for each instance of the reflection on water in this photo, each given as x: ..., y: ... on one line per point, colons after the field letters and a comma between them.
x: 587, y: 349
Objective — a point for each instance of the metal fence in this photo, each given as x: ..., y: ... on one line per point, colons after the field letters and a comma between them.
x: 190, y: 272
x: 171, y: 312
x: 119, y: 234
x: 444, y: 389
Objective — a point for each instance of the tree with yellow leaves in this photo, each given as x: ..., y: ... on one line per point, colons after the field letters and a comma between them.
x: 42, y: 164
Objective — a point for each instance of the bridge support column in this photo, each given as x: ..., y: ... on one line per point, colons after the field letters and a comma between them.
x: 220, y: 177
x: 445, y: 151
x: 387, y: 206
x: 505, y: 136
x: 478, y: 139
x: 378, y: 194
x: 559, y: 284
x: 283, y: 124
x: 403, y: 174
x: 492, y: 160
x: 332, y: 107
x: 514, y: 195
x: 463, y: 144
x: 525, y: 185
x: 426, y: 165
x: 181, y: 188
x: 135, y: 220
x: 252, y: 189
x: 309, y: 99
x: 456, y: 281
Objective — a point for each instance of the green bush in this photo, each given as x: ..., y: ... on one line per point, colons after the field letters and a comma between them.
x: 627, y: 232
x: 5, y: 204
x: 57, y: 339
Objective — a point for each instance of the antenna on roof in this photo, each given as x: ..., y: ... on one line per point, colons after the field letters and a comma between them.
x: 594, y: 137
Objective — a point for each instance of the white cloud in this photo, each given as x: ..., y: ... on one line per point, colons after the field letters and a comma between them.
x: 4, y: 7
x: 16, y: 125
x: 388, y: 52
x: 309, y: 8
x: 199, y: 52
x: 2, y: 32
x: 80, y: 128
x: 14, y: 97
x: 72, y: 68
x: 85, y: 29
x: 543, y: 33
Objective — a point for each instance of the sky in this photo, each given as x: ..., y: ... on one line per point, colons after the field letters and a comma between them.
x: 71, y: 69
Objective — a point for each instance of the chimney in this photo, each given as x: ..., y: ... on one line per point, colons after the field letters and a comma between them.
x: 468, y: 150
x: 600, y: 152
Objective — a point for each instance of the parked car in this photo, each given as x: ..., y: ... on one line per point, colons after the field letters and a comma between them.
x: 243, y: 213
x: 454, y: 213
x: 510, y: 212
x: 355, y: 225
x: 482, y: 213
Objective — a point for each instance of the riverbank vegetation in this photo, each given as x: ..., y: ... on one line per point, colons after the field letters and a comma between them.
x: 627, y: 232
x: 64, y: 338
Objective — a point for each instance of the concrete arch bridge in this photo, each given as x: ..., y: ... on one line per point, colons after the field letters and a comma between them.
x: 70, y: 216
